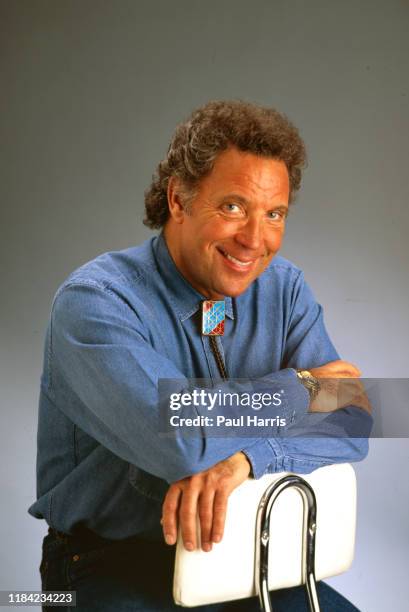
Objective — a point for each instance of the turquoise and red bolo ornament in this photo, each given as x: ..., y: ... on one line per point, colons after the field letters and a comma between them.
x: 213, y: 315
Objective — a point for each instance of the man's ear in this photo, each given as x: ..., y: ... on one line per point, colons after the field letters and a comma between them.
x: 176, y: 209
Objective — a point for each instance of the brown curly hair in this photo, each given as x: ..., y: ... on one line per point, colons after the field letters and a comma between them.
x: 210, y: 130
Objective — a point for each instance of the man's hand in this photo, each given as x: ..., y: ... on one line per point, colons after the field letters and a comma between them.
x: 204, y: 494
x: 337, y: 393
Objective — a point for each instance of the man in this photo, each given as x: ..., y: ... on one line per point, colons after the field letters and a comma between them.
x: 127, y: 320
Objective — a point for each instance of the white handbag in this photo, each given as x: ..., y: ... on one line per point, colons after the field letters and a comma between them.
x: 232, y: 569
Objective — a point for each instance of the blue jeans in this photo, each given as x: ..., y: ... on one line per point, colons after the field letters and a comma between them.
x: 132, y: 575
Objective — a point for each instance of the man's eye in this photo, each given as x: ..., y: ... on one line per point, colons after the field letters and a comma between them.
x: 276, y: 215
x: 230, y: 207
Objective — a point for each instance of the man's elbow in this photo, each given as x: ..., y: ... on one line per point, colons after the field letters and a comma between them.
x: 359, y: 448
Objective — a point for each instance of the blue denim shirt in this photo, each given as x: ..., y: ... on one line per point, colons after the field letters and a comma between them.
x: 122, y: 322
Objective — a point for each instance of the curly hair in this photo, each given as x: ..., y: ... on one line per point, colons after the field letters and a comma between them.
x: 212, y: 129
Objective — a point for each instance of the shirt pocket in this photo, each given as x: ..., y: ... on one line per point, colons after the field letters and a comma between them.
x: 146, y: 484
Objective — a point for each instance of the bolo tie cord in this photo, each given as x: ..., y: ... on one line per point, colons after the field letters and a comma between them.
x: 219, y: 357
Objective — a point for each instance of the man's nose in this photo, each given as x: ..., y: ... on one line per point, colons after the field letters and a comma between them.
x: 250, y: 234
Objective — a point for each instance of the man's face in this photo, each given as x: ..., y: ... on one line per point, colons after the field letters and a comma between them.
x: 234, y: 226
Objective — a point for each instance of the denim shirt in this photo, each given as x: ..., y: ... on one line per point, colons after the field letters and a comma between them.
x: 118, y: 325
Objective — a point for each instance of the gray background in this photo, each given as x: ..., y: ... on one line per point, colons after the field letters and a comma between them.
x: 90, y: 92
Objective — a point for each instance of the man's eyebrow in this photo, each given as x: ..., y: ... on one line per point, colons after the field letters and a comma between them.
x: 236, y: 198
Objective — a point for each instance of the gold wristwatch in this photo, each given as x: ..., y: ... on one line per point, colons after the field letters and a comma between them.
x: 310, y: 382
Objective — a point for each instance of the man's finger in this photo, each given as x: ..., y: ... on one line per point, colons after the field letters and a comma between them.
x: 219, y: 514
x: 206, y: 501
x: 355, y: 395
x: 170, y: 514
x: 187, y: 517
x: 348, y: 370
x: 337, y: 369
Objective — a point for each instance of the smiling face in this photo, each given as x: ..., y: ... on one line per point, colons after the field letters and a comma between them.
x: 234, y: 225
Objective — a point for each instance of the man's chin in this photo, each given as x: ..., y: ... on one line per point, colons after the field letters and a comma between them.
x: 233, y: 290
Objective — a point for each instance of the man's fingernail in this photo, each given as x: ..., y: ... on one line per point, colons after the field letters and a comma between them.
x: 169, y: 538
x: 217, y: 538
x: 207, y: 546
x: 189, y: 546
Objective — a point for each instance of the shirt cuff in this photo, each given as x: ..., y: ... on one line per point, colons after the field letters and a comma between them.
x: 265, y: 457
x: 294, y: 396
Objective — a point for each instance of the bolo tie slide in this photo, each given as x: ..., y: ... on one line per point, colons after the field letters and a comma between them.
x: 213, y: 316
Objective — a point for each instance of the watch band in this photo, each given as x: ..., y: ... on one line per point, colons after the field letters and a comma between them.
x: 310, y: 382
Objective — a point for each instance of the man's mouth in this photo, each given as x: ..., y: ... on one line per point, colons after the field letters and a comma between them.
x: 241, y: 263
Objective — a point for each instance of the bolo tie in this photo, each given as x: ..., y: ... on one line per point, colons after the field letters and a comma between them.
x: 213, y: 316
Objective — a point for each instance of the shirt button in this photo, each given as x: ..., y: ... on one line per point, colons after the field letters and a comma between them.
x: 76, y: 558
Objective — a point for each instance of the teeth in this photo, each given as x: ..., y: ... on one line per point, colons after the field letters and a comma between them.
x: 244, y: 264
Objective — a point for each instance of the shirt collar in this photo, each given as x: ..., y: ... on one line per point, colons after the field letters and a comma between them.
x: 185, y: 299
